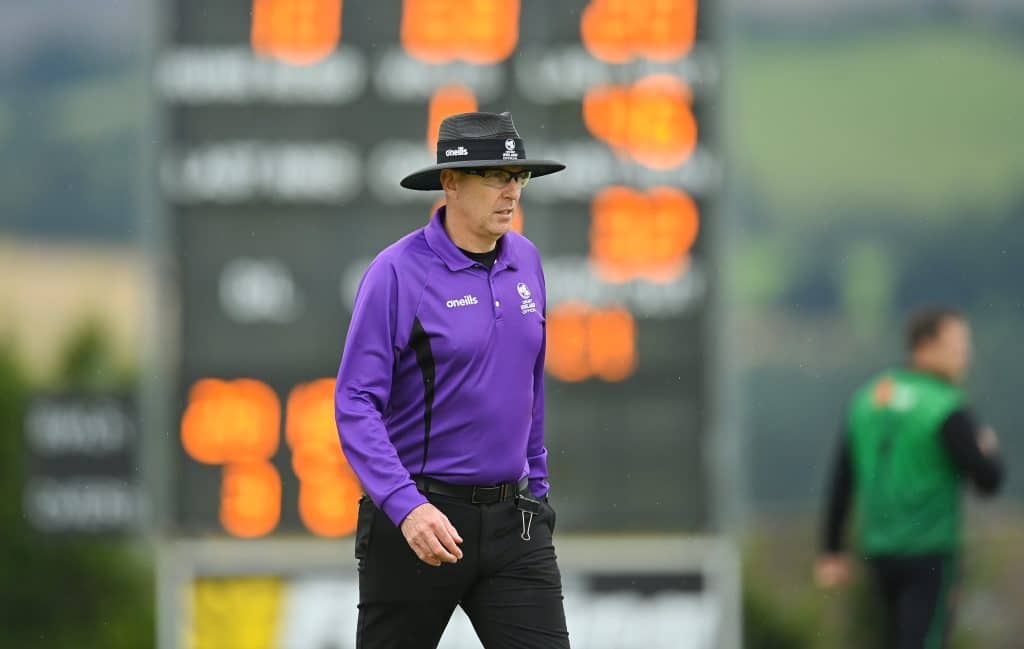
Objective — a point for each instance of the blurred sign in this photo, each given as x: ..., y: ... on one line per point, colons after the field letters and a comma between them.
x: 664, y: 610
x: 288, y: 125
x: 620, y: 593
x: 82, y: 464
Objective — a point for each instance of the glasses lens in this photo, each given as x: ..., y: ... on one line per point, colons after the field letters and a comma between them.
x: 501, y: 177
x: 497, y: 177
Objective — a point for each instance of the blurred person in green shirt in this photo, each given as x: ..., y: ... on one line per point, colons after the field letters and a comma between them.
x: 908, y: 443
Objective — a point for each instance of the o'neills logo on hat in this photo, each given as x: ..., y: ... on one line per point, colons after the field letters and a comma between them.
x: 451, y: 153
x: 510, y: 150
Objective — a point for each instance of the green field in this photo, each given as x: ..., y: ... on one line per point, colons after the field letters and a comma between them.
x: 918, y: 118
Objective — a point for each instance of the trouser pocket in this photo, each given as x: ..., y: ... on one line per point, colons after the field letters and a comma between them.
x: 548, y: 512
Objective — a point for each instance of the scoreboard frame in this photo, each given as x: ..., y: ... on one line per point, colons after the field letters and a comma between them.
x: 709, y: 550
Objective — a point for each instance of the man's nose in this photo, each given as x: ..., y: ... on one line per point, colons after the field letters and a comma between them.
x: 512, y: 190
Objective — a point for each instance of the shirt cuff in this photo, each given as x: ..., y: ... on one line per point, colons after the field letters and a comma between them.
x: 539, y: 487
x: 401, y: 502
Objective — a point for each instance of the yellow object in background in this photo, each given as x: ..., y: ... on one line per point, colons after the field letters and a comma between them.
x: 236, y: 613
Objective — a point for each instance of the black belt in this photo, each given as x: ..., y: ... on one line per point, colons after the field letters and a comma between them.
x: 476, y: 495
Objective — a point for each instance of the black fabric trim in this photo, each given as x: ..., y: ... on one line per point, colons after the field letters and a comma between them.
x: 486, y: 258
x: 961, y: 440
x: 420, y: 343
x: 840, y: 493
x: 471, y: 150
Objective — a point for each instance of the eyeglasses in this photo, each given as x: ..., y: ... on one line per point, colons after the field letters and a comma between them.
x: 498, y: 178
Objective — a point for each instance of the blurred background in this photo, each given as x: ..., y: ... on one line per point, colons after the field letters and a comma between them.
x: 189, y: 190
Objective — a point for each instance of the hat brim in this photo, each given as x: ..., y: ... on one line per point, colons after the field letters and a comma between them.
x: 430, y: 178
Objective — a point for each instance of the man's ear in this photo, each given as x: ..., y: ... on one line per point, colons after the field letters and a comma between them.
x: 449, y: 180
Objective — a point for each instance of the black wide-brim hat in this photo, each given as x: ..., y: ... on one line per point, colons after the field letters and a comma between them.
x: 474, y: 141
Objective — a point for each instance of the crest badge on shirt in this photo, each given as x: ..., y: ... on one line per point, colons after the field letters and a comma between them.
x: 528, y: 305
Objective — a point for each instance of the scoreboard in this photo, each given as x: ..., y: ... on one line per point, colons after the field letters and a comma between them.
x: 286, y: 126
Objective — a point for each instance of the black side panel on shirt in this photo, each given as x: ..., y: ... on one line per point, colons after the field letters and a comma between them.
x: 420, y: 343
x: 960, y: 437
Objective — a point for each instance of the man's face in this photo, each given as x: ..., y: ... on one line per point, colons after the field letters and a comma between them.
x: 952, y: 349
x: 485, y: 210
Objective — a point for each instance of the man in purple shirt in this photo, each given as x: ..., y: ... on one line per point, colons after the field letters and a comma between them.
x: 440, y: 410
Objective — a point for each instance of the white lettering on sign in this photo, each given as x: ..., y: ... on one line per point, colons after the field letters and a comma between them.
x: 399, y: 77
x: 572, y: 278
x: 220, y: 75
x: 259, y: 290
x: 55, y: 428
x: 238, y: 171
x: 558, y: 74
x: 81, y: 504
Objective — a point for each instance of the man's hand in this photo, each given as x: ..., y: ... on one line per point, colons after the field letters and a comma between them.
x: 988, y: 442
x: 432, y: 536
x: 832, y: 570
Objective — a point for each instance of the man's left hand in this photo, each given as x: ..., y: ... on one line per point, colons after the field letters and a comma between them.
x: 431, y: 535
x: 832, y: 570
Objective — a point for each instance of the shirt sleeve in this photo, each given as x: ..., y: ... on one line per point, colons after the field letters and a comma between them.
x: 536, y: 453
x: 959, y: 434
x: 362, y: 393
x: 840, y: 494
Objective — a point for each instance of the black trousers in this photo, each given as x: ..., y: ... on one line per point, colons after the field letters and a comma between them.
x: 510, y: 589
x: 919, y: 594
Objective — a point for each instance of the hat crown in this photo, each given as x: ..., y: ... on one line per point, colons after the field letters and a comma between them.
x: 472, y: 126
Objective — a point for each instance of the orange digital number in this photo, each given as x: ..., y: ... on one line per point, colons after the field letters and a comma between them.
x: 642, y: 235
x: 586, y: 342
x: 617, y: 31
x: 477, y: 31
x: 651, y: 121
x: 329, y: 490
x: 250, y: 504
x: 237, y: 424
x: 299, y: 32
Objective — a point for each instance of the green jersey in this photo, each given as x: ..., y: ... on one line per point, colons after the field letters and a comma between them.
x: 906, y: 485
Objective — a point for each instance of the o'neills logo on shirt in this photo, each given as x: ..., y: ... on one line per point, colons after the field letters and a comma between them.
x: 466, y: 300
x: 451, y: 153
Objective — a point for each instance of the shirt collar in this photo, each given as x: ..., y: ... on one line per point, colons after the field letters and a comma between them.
x: 445, y: 248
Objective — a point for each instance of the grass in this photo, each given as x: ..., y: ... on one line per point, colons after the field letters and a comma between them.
x: 921, y: 118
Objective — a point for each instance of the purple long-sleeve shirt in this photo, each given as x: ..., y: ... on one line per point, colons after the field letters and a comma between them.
x: 443, y: 369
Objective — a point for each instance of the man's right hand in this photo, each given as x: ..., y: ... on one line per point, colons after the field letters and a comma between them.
x: 431, y: 535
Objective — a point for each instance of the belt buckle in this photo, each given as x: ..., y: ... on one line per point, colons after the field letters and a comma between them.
x: 488, y: 495
x: 474, y: 500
